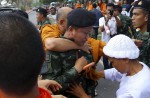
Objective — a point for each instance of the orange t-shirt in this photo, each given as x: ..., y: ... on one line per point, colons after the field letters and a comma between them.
x: 44, y: 94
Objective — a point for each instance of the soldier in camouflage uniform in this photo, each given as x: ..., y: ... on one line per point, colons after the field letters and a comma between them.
x: 42, y: 19
x: 62, y: 66
x: 141, y: 20
x: 126, y: 22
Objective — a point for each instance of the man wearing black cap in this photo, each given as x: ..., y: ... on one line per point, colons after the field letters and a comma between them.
x: 41, y: 17
x: 62, y: 66
x: 141, y: 20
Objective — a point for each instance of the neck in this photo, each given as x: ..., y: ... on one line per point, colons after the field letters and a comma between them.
x: 66, y: 34
x: 43, y: 20
x: 134, y: 68
x: 143, y: 28
x: 34, y: 93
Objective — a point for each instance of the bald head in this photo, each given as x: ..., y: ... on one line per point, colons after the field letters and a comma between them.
x: 62, y: 13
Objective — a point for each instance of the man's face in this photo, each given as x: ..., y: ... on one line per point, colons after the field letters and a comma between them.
x: 125, y: 1
x: 139, y: 19
x: 80, y: 35
x: 108, y: 9
x: 39, y: 16
x: 119, y: 64
x: 53, y: 11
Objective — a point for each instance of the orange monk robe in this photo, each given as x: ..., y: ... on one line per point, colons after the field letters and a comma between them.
x: 50, y: 31
x: 90, y: 7
x: 78, y: 5
x: 102, y: 7
x: 97, y: 48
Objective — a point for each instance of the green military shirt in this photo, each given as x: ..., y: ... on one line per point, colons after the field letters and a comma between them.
x: 145, y: 48
x: 61, y: 69
x: 126, y: 23
x: 46, y: 21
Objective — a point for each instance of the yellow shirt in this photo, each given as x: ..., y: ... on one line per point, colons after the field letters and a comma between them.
x: 49, y: 31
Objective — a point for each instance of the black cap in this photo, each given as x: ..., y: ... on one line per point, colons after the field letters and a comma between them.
x: 42, y: 11
x: 143, y: 4
x: 81, y: 18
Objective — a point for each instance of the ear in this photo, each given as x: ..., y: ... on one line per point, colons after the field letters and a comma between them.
x: 146, y: 18
x: 71, y: 31
x: 62, y: 22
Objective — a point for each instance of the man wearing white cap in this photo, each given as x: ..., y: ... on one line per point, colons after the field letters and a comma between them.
x: 133, y: 75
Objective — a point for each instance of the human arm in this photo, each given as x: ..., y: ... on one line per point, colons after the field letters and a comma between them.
x: 101, y: 24
x: 69, y: 75
x: 49, y: 85
x: 112, y: 74
x: 61, y: 45
x: 78, y: 91
x: 118, y: 21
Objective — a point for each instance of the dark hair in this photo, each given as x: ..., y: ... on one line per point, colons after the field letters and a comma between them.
x: 118, y: 8
x: 42, y: 11
x: 22, y: 13
x: 94, y: 5
x: 110, y: 4
x: 21, y: 54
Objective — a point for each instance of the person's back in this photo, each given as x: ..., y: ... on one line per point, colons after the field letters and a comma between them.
x: 21, y: 57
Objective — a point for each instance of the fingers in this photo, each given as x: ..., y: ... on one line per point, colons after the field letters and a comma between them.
x: 89, y: 65
x: 54, y: 83
x: 58, y: 96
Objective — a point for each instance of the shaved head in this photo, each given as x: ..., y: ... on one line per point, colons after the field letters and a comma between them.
x: 62, y: 13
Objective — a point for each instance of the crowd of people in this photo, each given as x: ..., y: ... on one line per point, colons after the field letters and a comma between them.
x: 57, y: 58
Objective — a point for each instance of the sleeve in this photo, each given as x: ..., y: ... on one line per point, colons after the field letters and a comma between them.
x: 101, y: 21
x: 126, y: 95
x: 48, y: 31
x: 112, y: 74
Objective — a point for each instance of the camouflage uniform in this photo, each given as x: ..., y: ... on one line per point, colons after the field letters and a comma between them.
x: 126, y: 23
x: 61, y: 69
x: 145, y: 48
x: 46, y: 21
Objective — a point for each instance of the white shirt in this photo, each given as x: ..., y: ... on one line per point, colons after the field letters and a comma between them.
x: 136, y: 86
x: 112, y: 24
x: 52, y: 18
